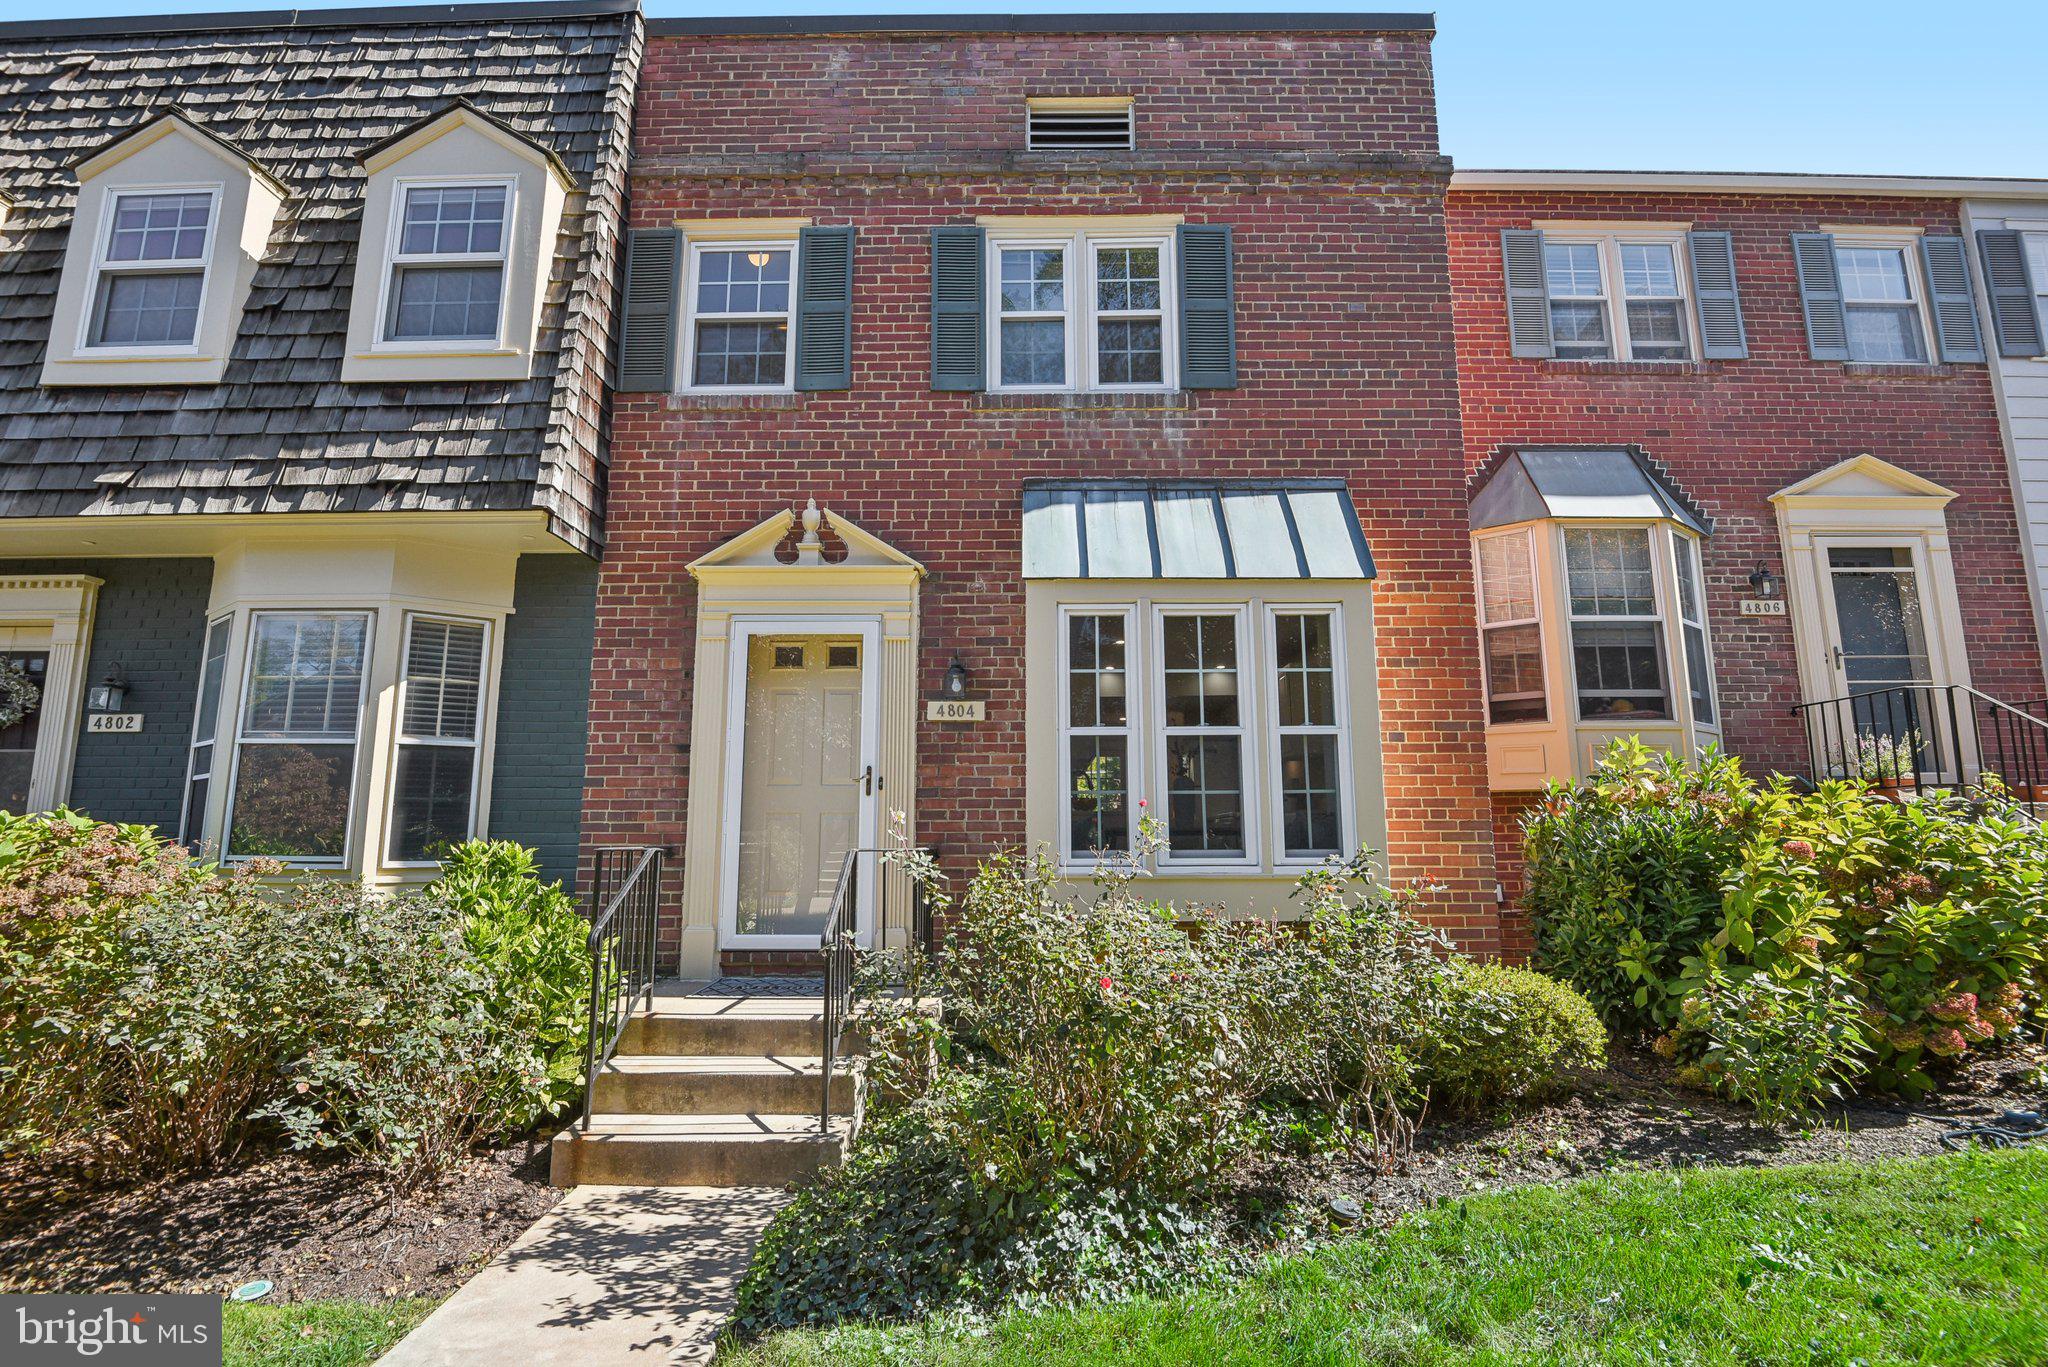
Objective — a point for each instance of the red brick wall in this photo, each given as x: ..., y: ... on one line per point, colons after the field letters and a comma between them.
x: 1346, y: 368
x: 1734, y: 432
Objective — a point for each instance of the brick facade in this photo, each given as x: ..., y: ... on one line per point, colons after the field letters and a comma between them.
x: 1320, y: 149
x: 1731, y: 433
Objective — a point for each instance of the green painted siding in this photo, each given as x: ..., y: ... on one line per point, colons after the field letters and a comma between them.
x: 151, y: 621
x: 543, y: 710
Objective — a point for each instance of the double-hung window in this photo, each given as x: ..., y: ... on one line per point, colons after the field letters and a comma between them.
x: 1510, y: 629
x: 1096, y: 665
x: 205, y: 729
x: 1086, y: 311
x: 1202, y: 733
x: 1307, y: 691
x: 739, y: 333
x: 447, y: 281
x: 295, y: 758
x: 1616, y: 628
x: 1880, y: 303
x: 440, y: 734
x: 151, y: 274
x: 1616, y: 297
x: 1692, y: 626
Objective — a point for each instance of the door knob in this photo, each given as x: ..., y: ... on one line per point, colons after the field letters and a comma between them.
x: 867, y: 781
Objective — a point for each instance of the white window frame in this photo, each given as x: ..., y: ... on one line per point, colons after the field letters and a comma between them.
x: 1083, y: 367
x: 1132, y: 730
x: 1660, y: 619
x: 1276, y: 822
x: 1250, y: 666
x: 1684, y: 543
x: 2033, y: 242
x: 240, y: 739
x: 191, y: 824
x: 102, y: 267
x: 1614, y: 298
x: 690, y: 316
x: 1527, y: 536
x: 396, y: 260
x: 401, y: 738
x: 1906, y: 242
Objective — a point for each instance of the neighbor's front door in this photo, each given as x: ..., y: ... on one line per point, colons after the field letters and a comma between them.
x: 804, y: 777
x: 27, y: 650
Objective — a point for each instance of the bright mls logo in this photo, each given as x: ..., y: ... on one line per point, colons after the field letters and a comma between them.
x: 161, y: 1331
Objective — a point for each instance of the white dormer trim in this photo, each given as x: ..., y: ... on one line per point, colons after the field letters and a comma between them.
x: 460, y: 146
x: 169, y: 154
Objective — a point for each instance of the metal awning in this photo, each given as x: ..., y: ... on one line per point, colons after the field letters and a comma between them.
x: 1117, y: 529
x: 1607, y: 483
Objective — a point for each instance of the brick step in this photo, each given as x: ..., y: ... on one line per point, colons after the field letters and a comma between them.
x: 740, y: 1150
x: 720, y: 1084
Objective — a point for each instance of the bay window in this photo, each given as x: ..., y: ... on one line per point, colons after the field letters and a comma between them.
x: 301, y: 713
x: 440, y: 711
x: 1692, y: 625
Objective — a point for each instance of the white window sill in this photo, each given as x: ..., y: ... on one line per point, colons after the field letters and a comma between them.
x: 1081, y: 400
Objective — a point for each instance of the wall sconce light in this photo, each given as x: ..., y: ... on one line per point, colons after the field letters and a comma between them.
x: 109, y: 693
x: 1762, y: 582
x: 957, y: 676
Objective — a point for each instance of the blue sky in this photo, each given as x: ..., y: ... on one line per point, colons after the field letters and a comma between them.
x: 1737, y: 85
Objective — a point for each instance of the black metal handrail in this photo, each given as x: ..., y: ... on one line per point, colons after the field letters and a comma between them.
x: 625, y: 905
x: 1929, y: 735
x: 838, y: 946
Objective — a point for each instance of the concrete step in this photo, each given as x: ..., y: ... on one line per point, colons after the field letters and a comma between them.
x: 740, y: 1150
x: 720, y: 1084
x: 741, y: 1026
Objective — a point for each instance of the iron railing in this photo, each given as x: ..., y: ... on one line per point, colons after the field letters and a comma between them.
x: 625, y: 903
x: 899, y: 923
x: 1930, y: 736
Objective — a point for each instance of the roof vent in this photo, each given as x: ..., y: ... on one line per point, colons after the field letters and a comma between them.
x: 1081, y: 124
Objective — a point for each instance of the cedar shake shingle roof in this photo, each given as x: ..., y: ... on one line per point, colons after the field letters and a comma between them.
x: 305, y: 96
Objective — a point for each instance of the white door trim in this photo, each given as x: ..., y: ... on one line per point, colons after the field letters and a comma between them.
x: 743, y: 629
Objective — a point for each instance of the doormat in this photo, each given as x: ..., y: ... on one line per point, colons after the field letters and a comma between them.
x: 791, y: 985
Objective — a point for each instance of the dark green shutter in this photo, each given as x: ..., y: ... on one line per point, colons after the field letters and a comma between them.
x: 1952, y: 299
x: 957, y: 304
x: 1820, y: 293
x: 824, y: 308
x: 647, y: 331
x: 1715, y: 299
x: 1521, y: 268
x: 1208, y: 306
x: 2015, y: 308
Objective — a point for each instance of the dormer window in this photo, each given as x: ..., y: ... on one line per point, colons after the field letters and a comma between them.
x: 447, y: 280
x: 170, y: 225
x: 152, y: 271
x: 460, y: 221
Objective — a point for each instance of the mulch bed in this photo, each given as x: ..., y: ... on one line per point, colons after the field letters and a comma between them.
x: 319, y: 1227
x: 1633, y: 1116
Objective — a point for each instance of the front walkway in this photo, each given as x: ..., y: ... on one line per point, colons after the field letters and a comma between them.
x: 612, y: 1275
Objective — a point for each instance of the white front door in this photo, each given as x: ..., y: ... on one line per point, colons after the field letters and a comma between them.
x: 805, y: 785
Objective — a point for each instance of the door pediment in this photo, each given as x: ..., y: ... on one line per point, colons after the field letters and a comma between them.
x: 754, y: 553
x: 1864, y: 481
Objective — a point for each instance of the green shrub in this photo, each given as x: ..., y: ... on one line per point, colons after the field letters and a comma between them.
x: 1624, y: 876
x: 1784, y: 1047
x: 146, y: 1001
x: 1508, y: 1034
x: 1933, y: 913
x: 530, y: 940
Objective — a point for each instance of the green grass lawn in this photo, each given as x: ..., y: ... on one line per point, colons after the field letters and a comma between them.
x: 1930, y: 1260
x: 317, y: 1333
